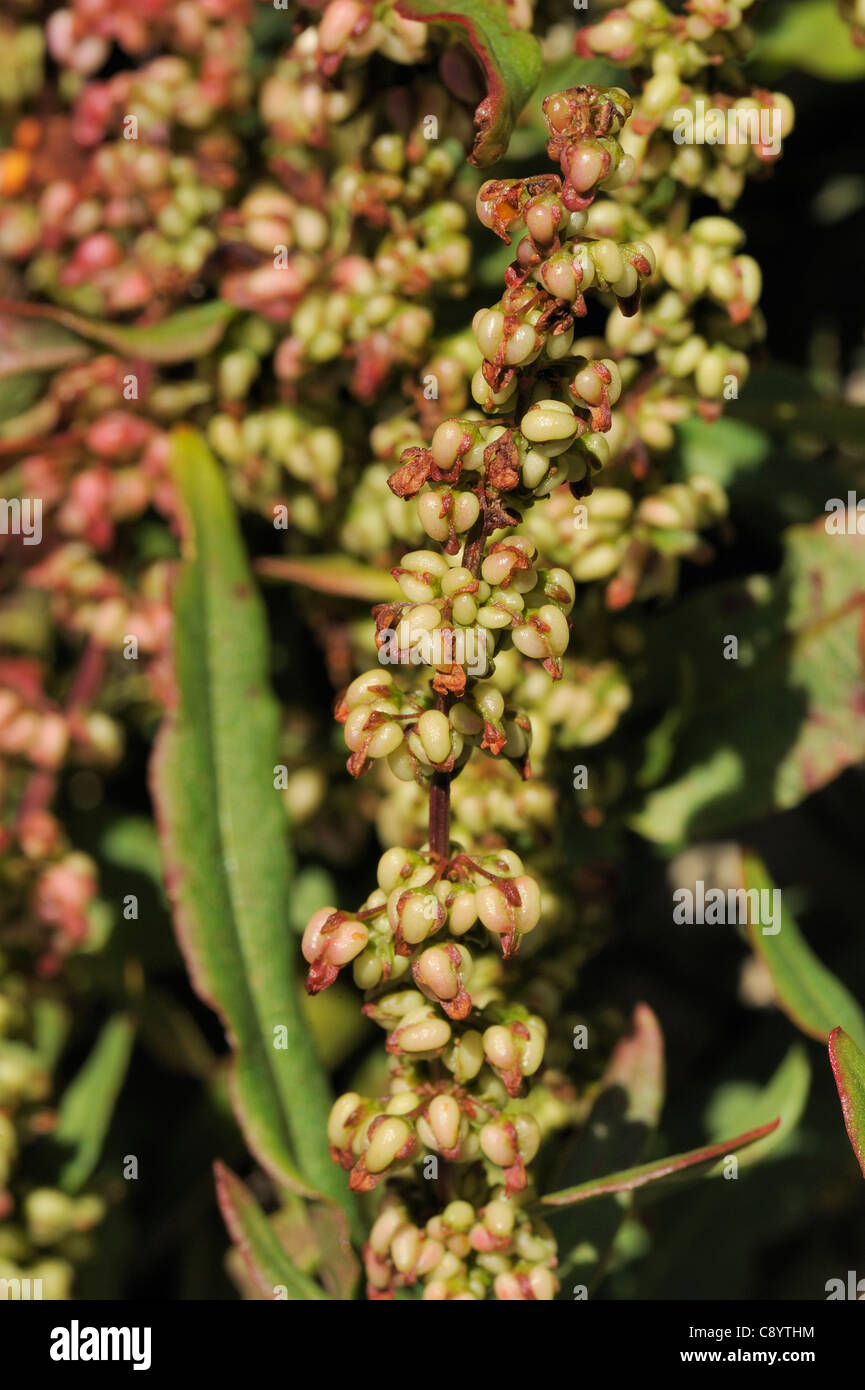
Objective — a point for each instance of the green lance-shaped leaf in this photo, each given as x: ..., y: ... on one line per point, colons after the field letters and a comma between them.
x: 269, y: 1266
x: 631, y: 1178
x: 742, y: 1105
x: 848, y: 1068
x: 224, y: 837
x: 181, y: 337
x: 88, y: 1103
x: 809, y: 994
x: 331, y: 574
x: 510, y: 58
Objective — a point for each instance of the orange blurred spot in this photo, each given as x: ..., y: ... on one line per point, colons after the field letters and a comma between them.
x: 28, y: 133
x: 14, y: 169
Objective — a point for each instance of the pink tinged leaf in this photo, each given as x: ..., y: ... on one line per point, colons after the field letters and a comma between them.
x: 848, y: 1068
x: 632, y: 1178
x: 510, y: 58
x: 637, y: 1066
x: 266, y: 1260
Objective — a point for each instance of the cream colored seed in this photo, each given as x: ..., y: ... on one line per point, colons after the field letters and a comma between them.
x: 507, y: 1288
x: 499, y: 1048
x: 466, y: 510
x: 465, y: 610
x: 385, y: 1228
x: 520, y: 345
x: 523, y: 581
x: 528, y: 914
x: 535, y: 468
x: 405, y: 1248
x: 608, y: 259
x: 457, y: 579
x: 436, y: 970
x: 751, y: 278
x: 559, y: 345
x: 559, y: 633
x: 717, y: 231
x: 458, y: 1215
x: 403, y: 1103
x: 489, y: 701
x: 463, y: 914
x: 416, y: 589
x: 559, y: 278
x: 386, y: 740
x: 464, y: 719
x: 346, y: 942
x: 359, y: 692
x: 446, y: 443
x: 596, y: 445
x: 418, y: 917
x: 444, y: 1121
x: 627, y: 282
x: 548, y: 421
x: 589, y: 385
x: 496, y: 1144
x: 354, y: 729
x: 543, y: 1284
x: 542, y: 221
x: 723, y: 282
x: 499, y: 1218
x: 390, y: 1136
x: 431, y: 519
x: 517, y: 742
x: 528, y: 1136
x: 560, y: 579
x: 496, y: 567
x: 337, y: 1132
x: 659, y: 93
x: 434, y: 732
x: 493, y: 909
x: 426, y: 561
x: 425, y: 617
x: 532, y: 1053
x: 530, y: 642
x: 428, y: 1036
x: 710, y: 374
x: 313, y: 941
x: 367, y: 970
x: 493, y: 618
x: 392, y: 866
x: 483, y: 393
x: 489, y: 330
x: 466, y: 1057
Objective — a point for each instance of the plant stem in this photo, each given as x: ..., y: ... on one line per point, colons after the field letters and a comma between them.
x: 440, y: 814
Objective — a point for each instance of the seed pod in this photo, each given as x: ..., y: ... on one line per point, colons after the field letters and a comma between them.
x: 439, y: 1126
x: 422, y: 1034
x: 464, y: 1056
x: 345, y: 1115
x: 442, y: 973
